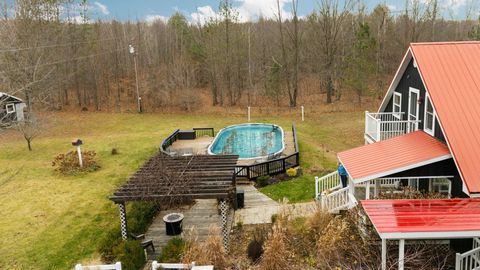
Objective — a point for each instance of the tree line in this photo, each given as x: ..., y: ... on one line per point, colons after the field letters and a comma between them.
x: 54, y: 56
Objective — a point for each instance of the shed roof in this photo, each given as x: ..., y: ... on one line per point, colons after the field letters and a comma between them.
x: 393, y: 155
x: 451, y: 74
x: 5, y: 95
x: 424, y: 219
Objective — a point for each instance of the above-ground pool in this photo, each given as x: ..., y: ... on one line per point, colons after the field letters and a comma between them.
x: 248, y: 141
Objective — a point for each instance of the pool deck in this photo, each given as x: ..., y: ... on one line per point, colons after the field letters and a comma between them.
x: 200, y: 145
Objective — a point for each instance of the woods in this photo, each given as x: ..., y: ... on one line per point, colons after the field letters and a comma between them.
x: 55, y: 56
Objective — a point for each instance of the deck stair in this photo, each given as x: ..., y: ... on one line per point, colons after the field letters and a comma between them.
x: 469, y: 260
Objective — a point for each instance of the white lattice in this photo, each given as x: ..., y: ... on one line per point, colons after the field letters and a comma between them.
x: 123, y: 221
x: 224, y: 207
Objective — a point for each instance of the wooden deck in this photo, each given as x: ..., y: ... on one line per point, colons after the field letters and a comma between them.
x: 198, y: 217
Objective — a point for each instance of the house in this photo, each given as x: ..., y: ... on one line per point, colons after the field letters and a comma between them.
x: 11, y: 109
x: 426, y: 135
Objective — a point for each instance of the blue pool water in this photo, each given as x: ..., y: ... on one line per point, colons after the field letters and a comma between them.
x: 248, y: 141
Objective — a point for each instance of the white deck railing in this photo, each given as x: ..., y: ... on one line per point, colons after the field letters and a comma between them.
x: 382, y: 126
x: 116, y: 266
x: 469, y: 260
x: 338, y: 200
x: 327, y: 183
x: 156, y: 266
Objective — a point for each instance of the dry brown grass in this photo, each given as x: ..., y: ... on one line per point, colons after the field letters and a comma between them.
x: 209, y: 252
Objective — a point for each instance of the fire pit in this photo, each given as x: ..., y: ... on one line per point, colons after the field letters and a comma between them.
x: 173, y: 223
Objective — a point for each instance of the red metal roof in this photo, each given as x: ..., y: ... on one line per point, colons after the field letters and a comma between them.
x: 393, y: 155
x: 404, y: 218
x: 451, y: 74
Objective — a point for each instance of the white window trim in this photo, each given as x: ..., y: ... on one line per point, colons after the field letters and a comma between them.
x: 416, y: 91
x: 429, y: 131
x: 397, y: 115
x: 10, y: 108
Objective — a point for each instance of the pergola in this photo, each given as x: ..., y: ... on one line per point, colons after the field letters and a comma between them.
x: 165, y: 179
x: 422, y: 219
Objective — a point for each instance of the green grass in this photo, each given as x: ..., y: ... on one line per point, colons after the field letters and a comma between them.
x: 49, y: 221
x: 300, y: 189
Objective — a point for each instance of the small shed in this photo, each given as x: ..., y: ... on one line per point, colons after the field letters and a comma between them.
x: 11, y: 109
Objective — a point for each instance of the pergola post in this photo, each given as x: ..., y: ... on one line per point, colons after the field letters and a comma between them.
x: 123, y: 220
x: 384, y: 254
x: 401, y: 254
x: 224, y: 207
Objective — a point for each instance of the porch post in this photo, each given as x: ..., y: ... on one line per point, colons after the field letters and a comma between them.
x: 351, y: 186
x: 401, y: 254
x: 367, y: 191
x: 224, y: 215
x: 384, y: 254
x: 377, y: 187
x: 123, y: 220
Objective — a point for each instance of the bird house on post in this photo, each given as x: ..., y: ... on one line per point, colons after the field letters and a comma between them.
x: 77, y: 142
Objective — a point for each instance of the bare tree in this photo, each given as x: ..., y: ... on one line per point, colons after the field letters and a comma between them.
x: 330, y: 19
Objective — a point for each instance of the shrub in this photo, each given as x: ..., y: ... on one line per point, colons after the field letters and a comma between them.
x: 130, y: 253
x: 292, y: 172
x: 263, y: 180
x: 68, y: 163
x: 173, y: 251
x: 107, y: 243
x: 140, y: 216
x: 114, y: 151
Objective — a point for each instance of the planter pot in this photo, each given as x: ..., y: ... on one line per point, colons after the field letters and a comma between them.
x: 173, y: 223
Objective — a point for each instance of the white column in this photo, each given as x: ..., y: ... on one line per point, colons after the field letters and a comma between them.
x: 351, y: 187
x: 367, y: 191
x: 401, y: 254
x: 377, y: 187
x: 384, y: 254
x: 303, y: 113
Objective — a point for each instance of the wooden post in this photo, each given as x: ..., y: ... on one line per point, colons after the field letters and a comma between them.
x: 123, y: 220
x: 384, y: 254
x: 401, y: 254
x: 303, y: 113
x: 248, y: 113
x: 79, y: 152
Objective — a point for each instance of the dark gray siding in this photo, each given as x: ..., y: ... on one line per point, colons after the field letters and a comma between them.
x: 411, y: 78
x: 441, y: 168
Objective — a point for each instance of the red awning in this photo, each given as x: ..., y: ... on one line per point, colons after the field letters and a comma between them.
x: 425, y: 219
x: 392, y: 156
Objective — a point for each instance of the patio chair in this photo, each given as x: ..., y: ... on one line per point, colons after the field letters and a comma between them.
x: 145, y: 243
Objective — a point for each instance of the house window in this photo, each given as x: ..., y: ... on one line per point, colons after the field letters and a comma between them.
x: 10, y: 108
x: 397, y: 105
x: 429, y: 117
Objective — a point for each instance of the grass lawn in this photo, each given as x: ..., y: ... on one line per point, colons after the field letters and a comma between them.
x: 50, y: 221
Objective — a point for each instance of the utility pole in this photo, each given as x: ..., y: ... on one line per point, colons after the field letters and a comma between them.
x: 131, y: 49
